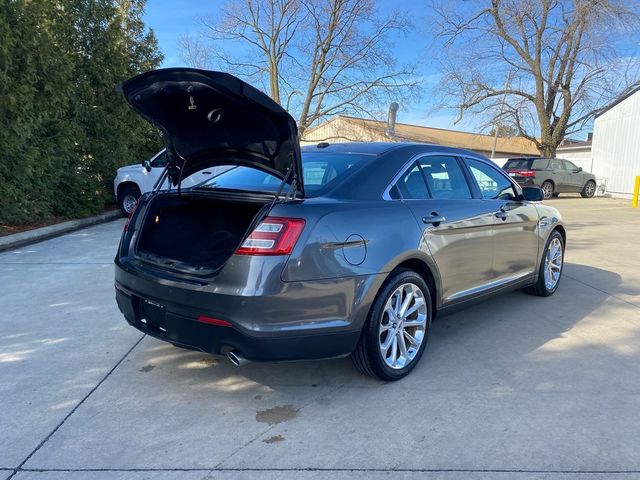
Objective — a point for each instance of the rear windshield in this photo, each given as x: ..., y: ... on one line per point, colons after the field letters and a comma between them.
x: 520, y: 163
x: 527, y: 163
x: 320, y: 170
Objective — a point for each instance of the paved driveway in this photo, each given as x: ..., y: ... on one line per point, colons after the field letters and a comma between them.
x: 518, y: 387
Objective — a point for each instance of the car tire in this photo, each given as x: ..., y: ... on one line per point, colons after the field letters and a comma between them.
x: 547, y: 284
x: 547, y: 189
x: 589, y: 189
x: 127, y: 199
x: 401, y: 354
x: 556, y: 195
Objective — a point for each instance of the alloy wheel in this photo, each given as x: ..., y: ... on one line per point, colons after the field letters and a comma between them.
x: 553, y: 264
x: 402, y: 326
x: 590, y: 189
x: 547, y: 189
x: 129, y: 203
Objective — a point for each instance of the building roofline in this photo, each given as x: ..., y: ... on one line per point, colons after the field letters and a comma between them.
x: 420, y: 126
x: 575, y: 147
x: 618, y: 100
x: 515, y: 145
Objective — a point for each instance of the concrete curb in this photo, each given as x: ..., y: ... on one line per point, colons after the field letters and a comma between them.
x: 39, y: 234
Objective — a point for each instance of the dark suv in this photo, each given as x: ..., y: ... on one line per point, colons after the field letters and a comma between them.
x: 553, y: 175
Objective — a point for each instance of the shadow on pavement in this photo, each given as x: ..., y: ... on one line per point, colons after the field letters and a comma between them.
x: 495, y: 336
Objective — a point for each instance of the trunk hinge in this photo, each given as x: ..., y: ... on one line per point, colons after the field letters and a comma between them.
x: 160, y: 180
x: 280, y: 188
x: 184, y: 162
x: 168, y: 173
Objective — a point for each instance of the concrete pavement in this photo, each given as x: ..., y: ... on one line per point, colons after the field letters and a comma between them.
x: 517, y: 387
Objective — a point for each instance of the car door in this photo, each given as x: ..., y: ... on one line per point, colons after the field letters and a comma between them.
x: 515, y: 223
x: 559, y: 175
x: 457, y: 228
x: 574, y: 176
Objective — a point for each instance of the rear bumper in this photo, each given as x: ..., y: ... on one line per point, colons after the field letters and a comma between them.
x: 294, y: 323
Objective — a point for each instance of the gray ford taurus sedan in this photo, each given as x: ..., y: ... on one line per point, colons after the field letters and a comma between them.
x: 325, y: 251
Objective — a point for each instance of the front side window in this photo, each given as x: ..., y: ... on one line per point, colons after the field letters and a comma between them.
x: 160, y: 161
x: 569, y: 166
x: 444, y: 177
x: 492, y: 183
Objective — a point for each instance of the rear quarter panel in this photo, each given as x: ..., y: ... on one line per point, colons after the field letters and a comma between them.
x: 351, y: 238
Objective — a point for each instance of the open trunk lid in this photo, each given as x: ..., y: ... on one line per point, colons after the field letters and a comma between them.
x: 213, y: 118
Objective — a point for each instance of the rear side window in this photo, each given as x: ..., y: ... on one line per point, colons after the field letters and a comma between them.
x: 411, y: 185
x: 444, y: 177
x: 556, y: 164
x: 540, y: 164
x: 492, y: 183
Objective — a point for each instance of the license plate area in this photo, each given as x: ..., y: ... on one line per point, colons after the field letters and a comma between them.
x: 153, y: 315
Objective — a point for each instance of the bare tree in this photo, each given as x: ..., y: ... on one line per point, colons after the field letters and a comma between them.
x: 316, y: 57
x: 564, y: 60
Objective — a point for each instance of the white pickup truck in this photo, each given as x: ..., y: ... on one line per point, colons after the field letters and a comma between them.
x: 134, y: 180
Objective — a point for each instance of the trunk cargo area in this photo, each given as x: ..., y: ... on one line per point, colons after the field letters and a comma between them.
x: 194, y: 231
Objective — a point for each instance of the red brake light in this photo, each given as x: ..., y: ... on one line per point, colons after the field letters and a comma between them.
x: 521, y: 173
x: 214, y: 321
x: 274, y: 236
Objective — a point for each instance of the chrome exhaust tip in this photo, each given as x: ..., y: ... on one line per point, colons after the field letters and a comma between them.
x: 237, y: 359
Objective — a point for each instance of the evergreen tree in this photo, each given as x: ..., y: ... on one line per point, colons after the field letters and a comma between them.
x: 65, y: 130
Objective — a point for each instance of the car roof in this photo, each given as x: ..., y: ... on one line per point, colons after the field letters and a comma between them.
x: 378, y: 148
x: 389, y: 159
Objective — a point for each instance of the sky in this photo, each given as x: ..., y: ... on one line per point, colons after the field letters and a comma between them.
x: 171, y: 20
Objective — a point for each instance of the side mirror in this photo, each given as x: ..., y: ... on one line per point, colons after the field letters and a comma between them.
x: 532, y: 194
x: 147, y: 165
x: 579, y: 169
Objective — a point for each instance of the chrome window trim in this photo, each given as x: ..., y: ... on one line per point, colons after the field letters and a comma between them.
x: 415, y: 158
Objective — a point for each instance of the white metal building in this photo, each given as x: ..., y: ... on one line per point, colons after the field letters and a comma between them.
x: 616, y: 145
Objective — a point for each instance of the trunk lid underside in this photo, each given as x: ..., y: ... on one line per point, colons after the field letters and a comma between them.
x: 213, y: 118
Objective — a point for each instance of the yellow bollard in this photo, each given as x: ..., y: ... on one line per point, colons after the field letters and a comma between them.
x: 636, y: 193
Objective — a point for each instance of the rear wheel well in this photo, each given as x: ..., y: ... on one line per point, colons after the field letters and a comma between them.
x: 124, y: 185
x: 422, y: 269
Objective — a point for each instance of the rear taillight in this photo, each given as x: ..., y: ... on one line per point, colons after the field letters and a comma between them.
x: 527, y: 173
x: 126, y: 224
x: 273, y: 236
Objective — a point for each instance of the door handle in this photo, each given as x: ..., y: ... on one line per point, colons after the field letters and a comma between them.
x: 206, y: 172
x: 501, y: 214
x: 434, y: 219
